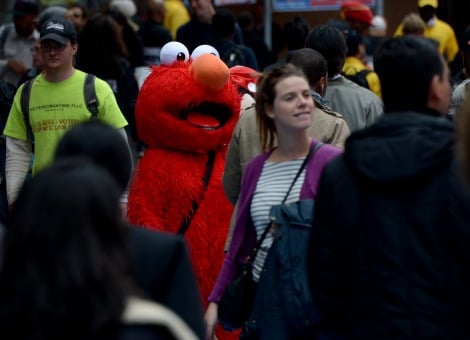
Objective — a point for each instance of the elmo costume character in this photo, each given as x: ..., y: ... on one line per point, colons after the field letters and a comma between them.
x: 185, y: 114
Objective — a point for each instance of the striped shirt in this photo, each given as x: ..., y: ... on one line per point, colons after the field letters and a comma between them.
x: 271, y: 189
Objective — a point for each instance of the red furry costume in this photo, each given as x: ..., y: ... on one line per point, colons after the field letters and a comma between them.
x: 184, y: 112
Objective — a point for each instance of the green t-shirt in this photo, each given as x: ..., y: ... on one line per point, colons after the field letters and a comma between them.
x: 54, y: 108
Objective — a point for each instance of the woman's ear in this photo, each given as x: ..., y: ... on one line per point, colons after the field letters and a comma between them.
x: 268, y: 110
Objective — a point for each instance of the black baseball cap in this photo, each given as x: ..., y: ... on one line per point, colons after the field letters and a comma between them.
x: 58, y: 29
x: 24, y: 7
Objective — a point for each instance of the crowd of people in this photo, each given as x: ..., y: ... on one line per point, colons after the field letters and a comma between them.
x: 371, y: 131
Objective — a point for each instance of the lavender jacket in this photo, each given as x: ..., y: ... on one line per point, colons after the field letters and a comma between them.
x: 244, y: 235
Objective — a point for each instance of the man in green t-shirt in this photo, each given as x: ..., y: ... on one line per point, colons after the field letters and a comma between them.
x: 56, y: 103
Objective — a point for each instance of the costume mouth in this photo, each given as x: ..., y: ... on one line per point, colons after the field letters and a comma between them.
x: 209, y: 116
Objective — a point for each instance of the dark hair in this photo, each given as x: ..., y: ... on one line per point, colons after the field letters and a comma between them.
x: 103, y: 145
x: 295, y: 32
x: 135, y: 48
x: 245, y: 19
x: 427, y: 12
x: 66, y: 270
x: 100, y: 45
x: 353, y: 40
x: 81, y: 7
x: 311, y: 62
x: 406, y: 66
x: 330, y: 43
x: 265, y: 95
x: 223, y: 23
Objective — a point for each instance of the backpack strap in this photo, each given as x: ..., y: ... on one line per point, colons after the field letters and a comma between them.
x: 24, y: 101
x: 90, y: 96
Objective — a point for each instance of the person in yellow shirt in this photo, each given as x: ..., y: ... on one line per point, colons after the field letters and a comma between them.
x: 176, y: 15
x: 436, y: 29
x: 354, y: 69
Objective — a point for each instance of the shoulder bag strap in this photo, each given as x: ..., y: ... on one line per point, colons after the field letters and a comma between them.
x: 310, y: 154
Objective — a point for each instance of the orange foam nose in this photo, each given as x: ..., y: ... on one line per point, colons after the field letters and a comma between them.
x: 209, y: 71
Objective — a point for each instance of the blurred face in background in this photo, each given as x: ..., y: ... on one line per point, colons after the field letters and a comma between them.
x: 427, y: 13
x: 25, y: 24
x: 77, y: 17
x: 203, y: 9
x: 36, y: 53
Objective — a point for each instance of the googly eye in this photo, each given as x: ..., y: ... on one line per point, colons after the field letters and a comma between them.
x: 173, y: 51
x: 203, y: 49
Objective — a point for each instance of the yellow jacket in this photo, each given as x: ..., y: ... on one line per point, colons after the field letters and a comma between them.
x: 353, y: 65
x: 444, y: 34
x: 176, y: 15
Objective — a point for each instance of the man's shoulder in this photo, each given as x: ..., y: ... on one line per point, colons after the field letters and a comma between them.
x: 327, y: 122
x: 352, y: 65
x: 336, y: 168
x: 183, y: 29
x: 101, y: 86
x: 441, y: 24
x: 6, y: 29
x: 328, y: 115
x: 246, y: 49
x: 344, y: 85
x: 188, y: 27
x: 248, y: 115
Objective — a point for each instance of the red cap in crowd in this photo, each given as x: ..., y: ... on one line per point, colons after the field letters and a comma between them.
x: 357, y: 11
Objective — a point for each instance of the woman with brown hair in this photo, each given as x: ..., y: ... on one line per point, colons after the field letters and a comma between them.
x: 283, y: 173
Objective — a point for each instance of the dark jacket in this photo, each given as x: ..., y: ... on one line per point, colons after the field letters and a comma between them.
x: 388, y: 256
x: 163, y: 271
x: 119, y: 74
x: 195, y: 33
x: 225, y: 46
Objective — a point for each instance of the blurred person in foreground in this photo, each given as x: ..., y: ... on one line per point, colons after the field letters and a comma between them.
x: 389, y: 252
x: 161, y: 265
x: 66, y: 270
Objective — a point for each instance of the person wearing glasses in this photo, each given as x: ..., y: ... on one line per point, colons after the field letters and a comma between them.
x: 56, y: 103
